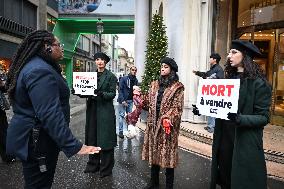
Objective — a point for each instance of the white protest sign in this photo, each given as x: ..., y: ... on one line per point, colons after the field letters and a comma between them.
x: 84, y: 83
x: 218, y: 97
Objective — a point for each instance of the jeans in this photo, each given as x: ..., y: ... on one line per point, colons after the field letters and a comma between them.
x: 121, y: 111
x: 211, y: 123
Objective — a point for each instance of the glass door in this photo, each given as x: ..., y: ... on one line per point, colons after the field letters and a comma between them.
x: 278, y: 80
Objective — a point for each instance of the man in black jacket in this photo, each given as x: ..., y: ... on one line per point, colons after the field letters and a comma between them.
x: 215, y: 72
x: 125, y: 97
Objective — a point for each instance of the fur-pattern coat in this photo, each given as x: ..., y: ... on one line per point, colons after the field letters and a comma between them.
x: 159, y: 148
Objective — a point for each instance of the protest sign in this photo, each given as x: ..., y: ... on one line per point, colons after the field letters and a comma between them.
x: 218, y: 97
x: 84, y: 83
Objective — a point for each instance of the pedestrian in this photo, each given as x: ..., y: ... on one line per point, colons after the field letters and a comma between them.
x: 40, y: 99
x: 215, y: 72
x: 132, y: 117
x: 125, y: 97
x: 4, y: 105
x: 165, y: 100
x: 237, y: 154
x: 100, y: 127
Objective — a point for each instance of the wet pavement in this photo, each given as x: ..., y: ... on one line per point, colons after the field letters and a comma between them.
x: 130, y: 171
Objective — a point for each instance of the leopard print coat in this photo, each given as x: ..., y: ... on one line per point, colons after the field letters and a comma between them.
x: 160, y: 148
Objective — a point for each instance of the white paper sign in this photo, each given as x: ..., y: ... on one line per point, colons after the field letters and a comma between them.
x: 218, y: 97
x: 84, y: 83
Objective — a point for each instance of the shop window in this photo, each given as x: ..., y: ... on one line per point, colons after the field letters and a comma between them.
x: 259, y: 12
x: 51, y: 21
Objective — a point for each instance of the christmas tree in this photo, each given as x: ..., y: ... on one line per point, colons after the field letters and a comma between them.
x: 157, y: 45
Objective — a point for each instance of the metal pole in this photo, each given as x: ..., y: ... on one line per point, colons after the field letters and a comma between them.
x: 100, y: 39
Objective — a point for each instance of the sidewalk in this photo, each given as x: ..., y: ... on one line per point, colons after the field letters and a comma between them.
x: 273, y: 135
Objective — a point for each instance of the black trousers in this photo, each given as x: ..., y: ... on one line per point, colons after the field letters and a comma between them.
x: 34, y: 179
x: 155, y: 170
x: 3, y: 136
x: 103, y: 162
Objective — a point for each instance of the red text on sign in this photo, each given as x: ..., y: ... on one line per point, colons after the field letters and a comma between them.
x: 219, y: 90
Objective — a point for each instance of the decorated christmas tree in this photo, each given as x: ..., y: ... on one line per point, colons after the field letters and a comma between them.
x: 157, y: 45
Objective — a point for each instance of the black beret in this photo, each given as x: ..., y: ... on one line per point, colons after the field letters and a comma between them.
x: 246, y: 47
x: 171, y: 62
x: 102, y: 56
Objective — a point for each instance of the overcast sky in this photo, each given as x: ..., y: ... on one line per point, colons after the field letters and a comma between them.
x: 126, y: 41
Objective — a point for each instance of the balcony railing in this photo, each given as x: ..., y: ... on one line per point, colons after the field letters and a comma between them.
x: 15, y: 28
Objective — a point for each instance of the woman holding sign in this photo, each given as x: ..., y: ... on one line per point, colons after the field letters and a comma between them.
x: 237, y: 154
x: 100, y: 119
x: 165, y: 100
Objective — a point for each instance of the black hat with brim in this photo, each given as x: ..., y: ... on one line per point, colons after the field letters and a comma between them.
x: 102, y: 56
x: 246, y: 47
x: 171, y: 62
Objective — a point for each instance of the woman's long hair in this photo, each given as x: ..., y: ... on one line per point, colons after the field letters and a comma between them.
x: 168, y: 80
x: 251, y: 69
x: 31, y: 46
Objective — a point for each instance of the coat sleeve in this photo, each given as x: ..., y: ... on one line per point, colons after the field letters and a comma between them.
x: 174, y: 113
x: 262, y: 102
x: 201, y: 74
x: 219, y: 73
x: 111, y: 93
x: 122, y: 85
x: 43, y: 91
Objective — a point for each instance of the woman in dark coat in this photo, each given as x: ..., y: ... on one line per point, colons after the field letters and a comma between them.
x: 40, y: 100
x: 165, y: 100
x: 237, y: 153
x: 4, y: 105
x: 100, y: 120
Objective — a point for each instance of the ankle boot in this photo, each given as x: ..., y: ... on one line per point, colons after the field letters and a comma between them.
x: 154, y: 182
x: 170, y: 175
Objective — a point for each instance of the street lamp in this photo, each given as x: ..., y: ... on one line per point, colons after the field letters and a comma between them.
x: 100, y: 30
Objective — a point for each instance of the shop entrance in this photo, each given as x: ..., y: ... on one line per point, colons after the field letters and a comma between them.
x: 271, y: 45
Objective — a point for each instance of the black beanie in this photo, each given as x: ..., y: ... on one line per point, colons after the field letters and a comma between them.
x: 102, y: 56
x: 171, y: 62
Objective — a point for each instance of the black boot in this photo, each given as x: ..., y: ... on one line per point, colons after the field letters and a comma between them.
x: 154, y: 182
x: 170, y: 175
x: 93, y: 164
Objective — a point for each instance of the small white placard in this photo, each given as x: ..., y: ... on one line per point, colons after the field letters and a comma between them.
x: 84, y: 83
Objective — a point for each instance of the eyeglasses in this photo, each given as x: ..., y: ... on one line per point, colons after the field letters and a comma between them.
x: 58, y: 45
x: 134, y: 70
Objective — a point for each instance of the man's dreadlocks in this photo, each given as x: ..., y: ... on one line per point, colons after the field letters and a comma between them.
x: 31, y: 46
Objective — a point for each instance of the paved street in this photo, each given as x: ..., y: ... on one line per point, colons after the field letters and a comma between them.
x: 129, y: 172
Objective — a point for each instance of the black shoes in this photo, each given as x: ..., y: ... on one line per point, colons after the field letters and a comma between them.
x: 8, y: 159
x: 152, y: 186
x: 91, y: 169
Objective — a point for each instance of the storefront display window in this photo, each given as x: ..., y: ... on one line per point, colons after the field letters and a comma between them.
x: 257, y: 12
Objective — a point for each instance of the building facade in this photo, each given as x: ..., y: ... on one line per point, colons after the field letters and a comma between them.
x: 197, y: 28
x: 20, y: 17
x: 262, y: 22
x: 189, y: 30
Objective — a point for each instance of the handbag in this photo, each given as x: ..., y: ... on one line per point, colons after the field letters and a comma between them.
x: 4, y: 104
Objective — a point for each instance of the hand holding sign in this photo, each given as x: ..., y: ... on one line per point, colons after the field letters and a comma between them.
x: 195, y: 110
x: 233, y: 117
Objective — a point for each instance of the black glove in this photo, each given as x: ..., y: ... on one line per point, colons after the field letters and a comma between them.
x: 98, y: 93
x: 72, y: 91
x: 195, y: 110
x: 233, y: 117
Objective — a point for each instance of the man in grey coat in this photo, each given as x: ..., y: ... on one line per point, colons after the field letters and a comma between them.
x: 215, y: 72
